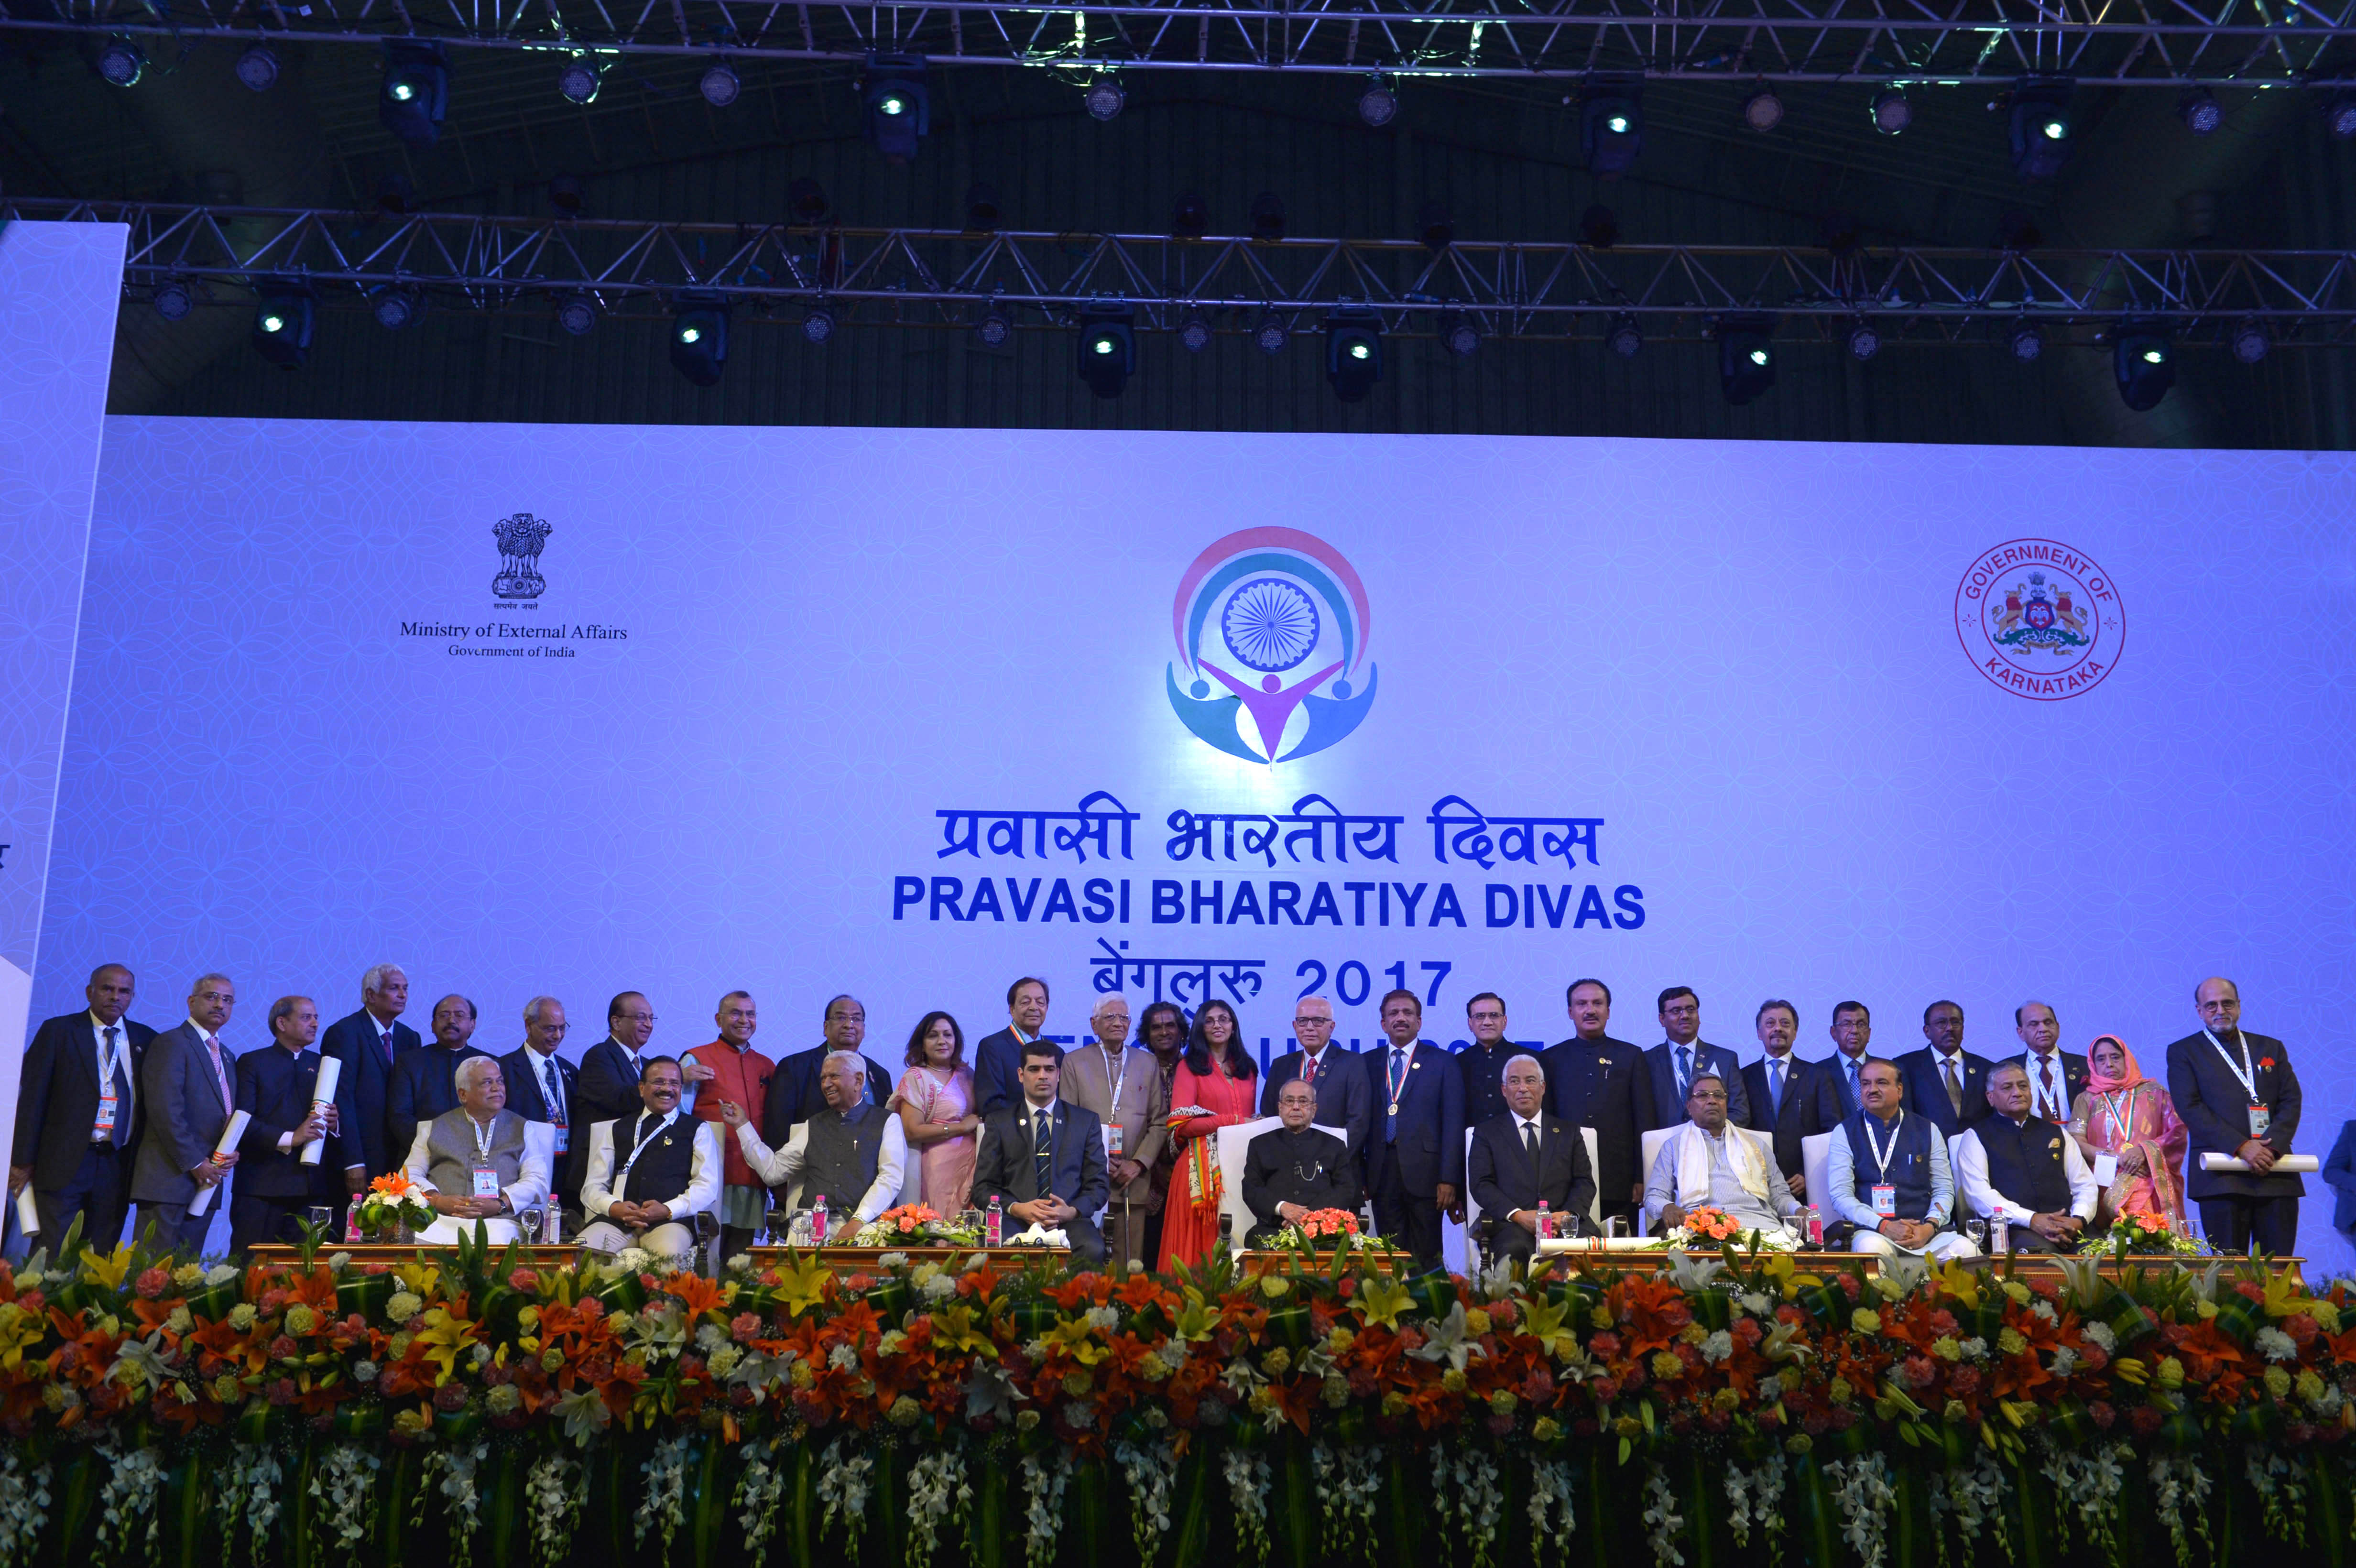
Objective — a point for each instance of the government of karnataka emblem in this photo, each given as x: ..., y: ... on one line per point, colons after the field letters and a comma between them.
x: 2040, y: 618
x: 520, y: 539
x: 2037, y: 614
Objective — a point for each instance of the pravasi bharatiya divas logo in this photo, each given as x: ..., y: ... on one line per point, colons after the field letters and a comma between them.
x: 2040, y: 619
x: 1272, y: 625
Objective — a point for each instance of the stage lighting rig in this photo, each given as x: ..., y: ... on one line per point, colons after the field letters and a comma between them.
x: 2143, y: 363
x: 414, y: 94
x: 994, y: 328
x: 2251, y: 342
x: 578, y: 81
x: 1599, y: 228
x: 282, y: 325
x: 1892, y: 112
x: 1458, y: 334
x: 818, y: 325
x: 1267, y: 215
x: 577, y: 314
x: 1864, y: 342
x: 1190, y: 217
x: 699, y: 339
x: 1626, y: 338
x: 1272, y: 333
x: 1762, y: 111
x: 2339, y: 113
x: 2028, y: 343
x: 398, y: 308
x: 720, y: 84
x: 1108, y: 348
x: 981, y: 212
x: 2044, y: 132
x: 121, y: 62
x: 2199, y: 110
x: 1195, y: 332
x: 1611, y: 125
x: 173, y: 300
x: 896, y: 109
x: 257, y: 68
x: 806, y: 203
x: 1105, y: 99
x: 1435, y: 227
x: 1353, y: 353
x: 1746, y: 357
x: 1378, y: 104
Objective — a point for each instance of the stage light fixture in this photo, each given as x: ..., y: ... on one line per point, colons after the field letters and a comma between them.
x: 578, y: 82
x: 2199, y: 110
x: 2143, y: 363
x: 1612, y: 127
x: 1745, y: 358
x: 2044, y: 133
x: 282, y: 326
x: 897, y: 110
x: 1267, y: 215
x: 1190, y: 217
x: 806, y: 202
x: 1891, y: 113
x: 1271, y: 332
x: 720, y: 84
x: 1105, y: 98
x: 257, y: 68
x: 121, y: 62
x: 1435, y: 227
x: 1353, y: 353
x: 394, y: 194
x: 1864, y: 342
x: 818, y: 325
x: 398, y: 308
x: 1762, y: 111
x: 1108, y: 348
x: 1378, y: 105
x: 698, y: 339
x: 2028, y: 343
x: 173, y: 300
x: 415, y: 91
x: 567, y: 193
x: 577, y: 313
x: 1195, y: 332
x: 994, y: 329
x: 1599, y: 228
x: 2251, y: 342
x: 1626, y: 338
x: 1458, y: 334
x: 2340, y: 114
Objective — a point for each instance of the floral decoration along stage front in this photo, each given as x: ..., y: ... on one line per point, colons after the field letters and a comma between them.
x: 1668, y: 1409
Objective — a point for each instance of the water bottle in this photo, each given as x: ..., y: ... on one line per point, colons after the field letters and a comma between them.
x: 1812, y: 1225
x: 819, y: 1229
x: 1546, y: 1221
x: 993, y: 1224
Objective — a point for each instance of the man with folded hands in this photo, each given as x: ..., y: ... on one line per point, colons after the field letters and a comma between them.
x: 1294, y: 1169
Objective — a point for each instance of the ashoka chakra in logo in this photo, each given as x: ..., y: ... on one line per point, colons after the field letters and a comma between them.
x: 1270, y: 623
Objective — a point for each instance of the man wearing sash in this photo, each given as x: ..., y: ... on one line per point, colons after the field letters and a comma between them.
x: 649, y: 1175
x: 1888, y: 1175
x: 1709, y: 1161
x: 2022, y: 1171
x: 1415, y: 1159
x: 2236, y: 1093
x: 480, y: 1164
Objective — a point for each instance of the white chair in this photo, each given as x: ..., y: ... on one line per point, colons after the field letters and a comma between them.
x: 1470, y: 1249
x: 1658, y: 1138
x: 1650, y: 1150
x: 1815, y: 1158
x: 1235, y: 1142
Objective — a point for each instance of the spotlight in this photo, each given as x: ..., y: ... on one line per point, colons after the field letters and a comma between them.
x: 1599, y: 227
x: 1864, y: 342
x: 981, y: 213
x: 258, y: 68
x: 1458, y: 334
x: 1190, y: 217
x: 2043, y: 131
x: 993, y: 329
x: 282, y: 326
x: 2028, y: 343
x: 1353, y: 353
x: 898, y: 111
x: 1267, y: 215
x: 1271, y: 332
x: 415, y: 91
x: 2251, y: 343
x: 1626, y: 339
x: 2199, y: 110
x: 173, y: 300
x: 1745, y: 358
x: 1194, y: 333
x: 720, y: 84
x: 578, y: 82
x: 818, y: 325
x: 393, y: 194
x: 2340, y: 114
x: 1378, y: 105
x: 1108, y: 348
x: 806, y: 202
x: 1891, y: 113
x: 2143, y: 362
x: 1611, y: 128
x: 399, y: 307
x: 1105, y: 99
x: 699, y: 340
x: 577, y: 313
x: 1762, y: 111
x: 1434, y: 227
x: 567, y: 194
x: 121, y: 62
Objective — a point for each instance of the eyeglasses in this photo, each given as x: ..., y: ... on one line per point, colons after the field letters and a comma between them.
x: 1308, y: 1023
x: 1487, y: 1016
x: 635, y: 1017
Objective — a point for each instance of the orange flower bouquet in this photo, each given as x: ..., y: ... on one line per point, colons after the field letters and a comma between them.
x: 1320, y: 1228
x: 391, y: 1203
x: 915, y: 1225
x: 2139, y: 1235
x: 1711, y: 1228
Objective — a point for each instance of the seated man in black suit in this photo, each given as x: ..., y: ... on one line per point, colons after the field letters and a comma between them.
x: 1524, y: 1157
x: 276, y: 1089
x: 1044, y: 1160
x: 1297, y: 1168
x: 79, y: 1112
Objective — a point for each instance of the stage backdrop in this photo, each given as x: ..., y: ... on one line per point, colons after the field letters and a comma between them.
x: 908, y: 714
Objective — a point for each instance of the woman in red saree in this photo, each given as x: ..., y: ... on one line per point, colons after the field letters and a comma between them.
x: 1212, y: 1089
x: 2122, y: 1114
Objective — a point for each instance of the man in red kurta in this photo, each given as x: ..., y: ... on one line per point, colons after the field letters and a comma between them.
x: 740, y: 1075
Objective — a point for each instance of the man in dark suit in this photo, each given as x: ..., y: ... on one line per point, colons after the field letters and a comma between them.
x: 1783, y: 1091
x: 277, y: 1088
x: 187, y: 1078
x: 1483, y: 1061
x: 542, y: 1086
x: 368, y: 1043
x: 425, y: 1084
x: 1043, y: 1160
x: 1344, y: 1102
x: 607, y: 1085
x: 2054, y: 1076
x: 794, y: 1096
x: 2340, y: 1175
x: 1297, y: 1169
x: 1523, y: 1157
x: 1415, y: 1156
x: 2236, y: 1093
x: 1946, y: 1084
x: 79, y: 1112
x: 1838, y: 1093
x: 1592, y: 1083
x: 997, y: 1060
x: 1670, y: 1067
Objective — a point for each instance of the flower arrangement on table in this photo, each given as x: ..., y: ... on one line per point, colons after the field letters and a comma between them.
x: 392, y: 1201
x: 1320, y: 1230
x: 1709, y: 1228
x: 915, y: 1225
x: 2140, y: 1236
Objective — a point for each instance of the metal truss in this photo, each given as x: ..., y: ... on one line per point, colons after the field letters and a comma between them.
x: 924, y: 277
x: 2158, y: 43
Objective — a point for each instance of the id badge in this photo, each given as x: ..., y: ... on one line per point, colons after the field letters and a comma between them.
x: 105, y: 1112
x: 2260, y: 1120
x: 563, y: 1138
x: 1885, y: 1201
x: 2106, y: 1169
x: 1116, y: 1138
x: 486, y: 1182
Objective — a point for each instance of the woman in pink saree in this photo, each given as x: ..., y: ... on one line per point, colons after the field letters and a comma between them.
x: 2126, y: 1115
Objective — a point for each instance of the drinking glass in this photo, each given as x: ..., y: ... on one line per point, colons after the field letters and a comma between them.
x: 321, y: 1218
x: 1975, y: 1229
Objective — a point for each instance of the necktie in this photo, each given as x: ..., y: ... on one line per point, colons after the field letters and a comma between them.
x: 220, y: 1077
x: 384, y: 1044
x: 1856, y: 1095
x: 1530, y: 1143
x: 1043, y: 1128
x: 1399, y: 1081
x: 555, y: 1097
x: 1954, y: 1088
x: 1776, y: 1085
x: 2045, y: 1075
x: 1684, y: 1069
x: 1308, y: 1069
x: 121, y: 1090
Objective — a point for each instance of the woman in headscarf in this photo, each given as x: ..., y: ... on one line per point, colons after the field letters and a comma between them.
x: 2122, y: 1113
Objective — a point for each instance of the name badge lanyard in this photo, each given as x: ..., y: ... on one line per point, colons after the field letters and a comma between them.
x: 1885, y: 1196
x: 1407, y: 1065
x: 109, y: 1064
x: 639, y: 1147
x: 1116, y: 1137
x: 486, y: 1177
x: 2261, y: 1118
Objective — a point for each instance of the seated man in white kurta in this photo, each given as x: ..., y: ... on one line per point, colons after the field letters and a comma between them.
x: 649, y: 1175
x: 1710, y: 1162
x: 480, y: 1164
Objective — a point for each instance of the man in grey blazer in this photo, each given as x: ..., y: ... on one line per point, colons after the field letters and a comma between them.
x: 187, y: 1078
x: 1122, y: 1084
